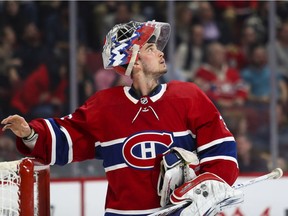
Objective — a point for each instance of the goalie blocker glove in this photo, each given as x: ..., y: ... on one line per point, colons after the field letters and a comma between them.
x: 208, y: 194
x: 177, y: 166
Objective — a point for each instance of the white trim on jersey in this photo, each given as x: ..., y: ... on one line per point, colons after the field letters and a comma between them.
x: 159, y: 95
x: 70, y: 144
x: 126, y: 91
x: 132, y: 212
x: 53, y: 143
x: 207, y: 159
x: 215, y: 142
x: 110, y: 143
x: 153, y: 98
x: 115, y: 167
x: 184, y: 133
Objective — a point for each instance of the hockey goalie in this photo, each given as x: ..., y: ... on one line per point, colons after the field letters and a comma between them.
x: 161, y: 143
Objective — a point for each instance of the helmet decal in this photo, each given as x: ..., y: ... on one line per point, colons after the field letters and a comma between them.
x: 119, y: 54
x: 123, y: 42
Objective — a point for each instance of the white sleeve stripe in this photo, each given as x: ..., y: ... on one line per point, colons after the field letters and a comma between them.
x: 215, y: 142
x: 207, y: 159
x: 115, y: 167
x: 69, y: 141
x: 53, y: 144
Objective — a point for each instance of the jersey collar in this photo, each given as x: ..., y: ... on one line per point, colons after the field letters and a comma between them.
x: 157, y: 93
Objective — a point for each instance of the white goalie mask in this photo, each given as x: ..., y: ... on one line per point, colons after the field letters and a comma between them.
x: 123, y: 42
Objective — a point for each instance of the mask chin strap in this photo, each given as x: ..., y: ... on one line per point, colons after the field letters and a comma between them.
x: 135, y: 50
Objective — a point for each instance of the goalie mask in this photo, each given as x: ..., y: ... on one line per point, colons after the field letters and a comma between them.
x: 124, y: 41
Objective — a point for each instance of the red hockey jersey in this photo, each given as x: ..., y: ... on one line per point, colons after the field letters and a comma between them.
x: 127, y: 133
x: 229, y: 87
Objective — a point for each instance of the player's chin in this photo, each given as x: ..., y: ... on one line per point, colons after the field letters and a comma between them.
x: 163, y: 69
x: 162, y: 72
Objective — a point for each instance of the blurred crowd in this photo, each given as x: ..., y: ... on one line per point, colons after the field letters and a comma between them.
x: 222, y: 46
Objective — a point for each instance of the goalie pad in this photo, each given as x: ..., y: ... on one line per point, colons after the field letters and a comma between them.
x: 208, y: 193
x: 177, y: 166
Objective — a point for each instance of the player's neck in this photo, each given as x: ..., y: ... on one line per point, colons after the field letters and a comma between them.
x: 144, y: 85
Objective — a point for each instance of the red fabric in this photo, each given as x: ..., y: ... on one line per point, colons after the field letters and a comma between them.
x: 236, y: 57
x: 104, y: 128
x: 236, y: 4
x: 37, y: 84
x: 229, y: 88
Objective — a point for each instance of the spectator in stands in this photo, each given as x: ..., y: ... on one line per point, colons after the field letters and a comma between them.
x: 13, y: 15
x: 44, y: 91
x: 9, y: 78
x: 56, y: 31
x: 282, y: 9
x: 282, y: 122
x: 122, y: 14
x: 124, y: 81
x: 222, y: 84
x: 233, y: 14
x: 260, y: 19
x: 239, y: 9
x: 238, y: 53
x: 104, y: 79
x: 153, y: 10
x: 249, y: 38
x: 84, y: 76
x: 257, y: 76
x: 8, y: 43
x: 47, y: 9
x: 190, y: 55
x: 249, y: 159
x: 281, y: 48
x: 213, y: 29
x: 262, y: 134
x: 8, y: 151
x: 184, y: 19
x: 31, y: 52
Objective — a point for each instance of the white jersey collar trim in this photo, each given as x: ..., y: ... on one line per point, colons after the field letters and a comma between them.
x: 153, y: 98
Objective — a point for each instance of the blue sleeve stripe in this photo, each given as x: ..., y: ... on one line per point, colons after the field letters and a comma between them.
x: 70, y: 145
x: 53, y: 142
x: 61, y: 144
x: 223, y: 149
x: 215, y: 142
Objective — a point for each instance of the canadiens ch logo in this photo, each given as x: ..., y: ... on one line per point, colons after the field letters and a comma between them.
x: 140, y: 150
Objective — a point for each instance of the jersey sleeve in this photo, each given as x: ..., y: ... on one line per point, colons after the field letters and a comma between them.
x: 65, y: 140
x: 216, y: 146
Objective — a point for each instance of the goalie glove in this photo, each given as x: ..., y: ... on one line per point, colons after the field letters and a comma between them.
x: 177, y: 166
x: 208, y: 193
